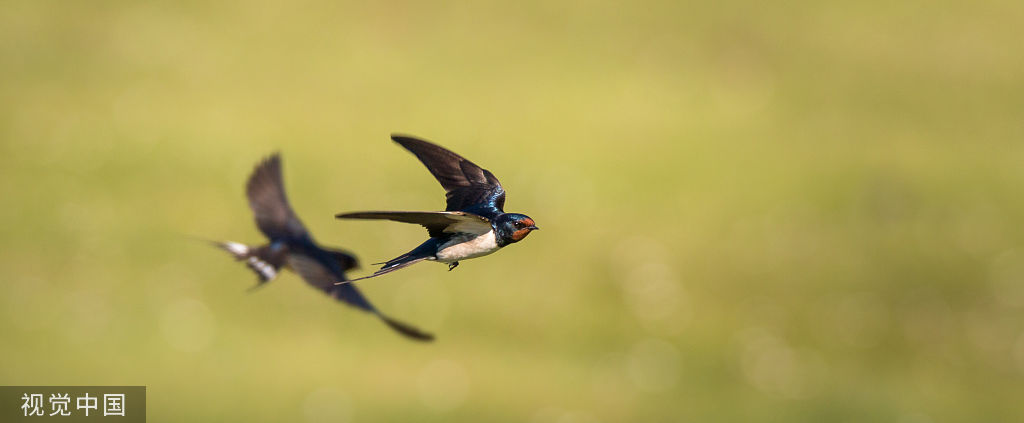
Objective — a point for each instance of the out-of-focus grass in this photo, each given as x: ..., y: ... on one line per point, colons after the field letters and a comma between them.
x: 803, y: 211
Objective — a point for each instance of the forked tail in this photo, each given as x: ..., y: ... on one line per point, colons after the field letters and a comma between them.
x: 424, y: 252
x: 254, y: 260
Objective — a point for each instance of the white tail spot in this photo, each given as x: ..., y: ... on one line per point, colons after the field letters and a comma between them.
x: 236, y: 248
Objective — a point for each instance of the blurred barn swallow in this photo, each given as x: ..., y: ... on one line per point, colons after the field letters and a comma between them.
x: 293, y: 247
x: 472, y: 225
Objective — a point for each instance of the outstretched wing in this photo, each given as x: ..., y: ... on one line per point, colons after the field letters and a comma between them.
x: 321, y: 277
x: 345, y: 259
x: 467, y: 186
x: 265, y: 189
x: 437, y: 223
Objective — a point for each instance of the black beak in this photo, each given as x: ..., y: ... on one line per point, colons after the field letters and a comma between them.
x: 532, y: 228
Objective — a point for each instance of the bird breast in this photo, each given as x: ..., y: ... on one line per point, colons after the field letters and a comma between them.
x: 466, y: 246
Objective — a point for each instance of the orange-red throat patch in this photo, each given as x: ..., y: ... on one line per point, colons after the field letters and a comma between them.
x: 520, y: 234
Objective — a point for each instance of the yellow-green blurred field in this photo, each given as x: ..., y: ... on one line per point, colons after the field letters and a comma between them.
x: 794, y: 211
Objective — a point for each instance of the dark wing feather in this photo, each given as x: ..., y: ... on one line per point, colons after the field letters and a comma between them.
x: 437, y: 223
x: 467, y: 186
x: 406, y: 329
x: 345, y: 259
x: 321, y: 277
x: 265, y: 189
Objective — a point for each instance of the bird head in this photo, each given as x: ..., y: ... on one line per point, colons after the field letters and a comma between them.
x: 513, y: 227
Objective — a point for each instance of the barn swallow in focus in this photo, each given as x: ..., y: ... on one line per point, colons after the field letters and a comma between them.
x: 472, y: 225
x: 293, y: 247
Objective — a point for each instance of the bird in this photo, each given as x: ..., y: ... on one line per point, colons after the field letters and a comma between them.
x: 291, y: 246
x: 473, y: 224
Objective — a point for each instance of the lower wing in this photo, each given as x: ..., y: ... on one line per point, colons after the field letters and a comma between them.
x: 437, y: 223
x: 316, y: 274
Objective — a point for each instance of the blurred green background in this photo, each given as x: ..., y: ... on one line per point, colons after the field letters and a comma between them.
x: 792, y: 211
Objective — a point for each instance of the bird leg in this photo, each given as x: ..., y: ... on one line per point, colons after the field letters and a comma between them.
x: 452, y: 265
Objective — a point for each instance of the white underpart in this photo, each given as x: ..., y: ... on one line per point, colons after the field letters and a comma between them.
x: 265, y: 269
x: 236, y: 248
x: 467, y: 246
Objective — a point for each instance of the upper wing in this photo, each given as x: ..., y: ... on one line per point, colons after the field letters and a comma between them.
x: 437, y: 223
x: 466, y: 185
x: 268, y: 202
x: 321, y: 277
